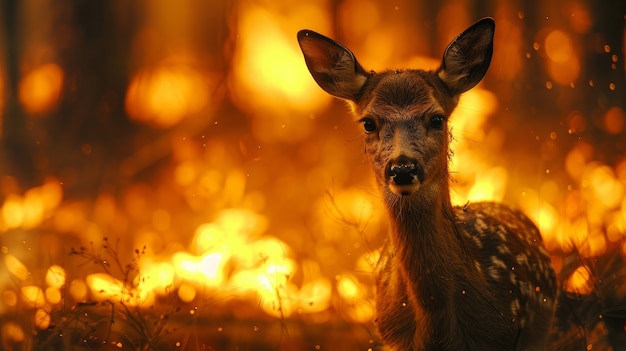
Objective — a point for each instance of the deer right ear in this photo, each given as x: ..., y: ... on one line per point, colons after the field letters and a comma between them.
x: 334, y: 67
x: 467, y: 58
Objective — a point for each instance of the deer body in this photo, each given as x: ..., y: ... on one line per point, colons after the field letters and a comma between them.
x: 449, y: 278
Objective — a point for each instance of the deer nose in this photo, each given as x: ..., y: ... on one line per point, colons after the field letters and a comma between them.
x: 404, y: 171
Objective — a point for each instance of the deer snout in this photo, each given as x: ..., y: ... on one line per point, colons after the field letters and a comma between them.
x: 404, y: 175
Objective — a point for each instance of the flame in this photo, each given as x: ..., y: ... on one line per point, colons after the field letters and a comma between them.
x: 40, y: 89
x: 106, y: 287
x: 157, y: 277
x: 475, y: 178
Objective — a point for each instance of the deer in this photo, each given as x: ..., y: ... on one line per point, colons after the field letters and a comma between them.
x: 471, y: 277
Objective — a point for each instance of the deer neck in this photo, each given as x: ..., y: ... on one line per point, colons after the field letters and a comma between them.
x: 423, y: 233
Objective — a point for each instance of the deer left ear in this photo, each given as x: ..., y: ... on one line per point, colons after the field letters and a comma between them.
x: 467, y: 57
x: 333, y: 66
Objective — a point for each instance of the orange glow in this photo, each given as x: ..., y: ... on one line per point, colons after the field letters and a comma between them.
x: 558, y: 46
x: 270, y: 211
x: 12, y: 332
x: 53, y: 295
x: 367, y: 13
x: 349, y: 207
x: 186, y: 292
x: 40, y: 89
x: 316, y: 291
x: 577, y: 123
x: 490, y: 185
x: 55, y: 277
x: 354, y: 295
x: 348, y: 287
x: 593, y: 244
x: 2, y: 100
x: 9, y: 298
x: 564, y: 65
x: 33, y: 296
x: 508, y: 58
x: 29, y: 211
x: 603, y: 186
x: 104, y: 287
x: 157, y: 277
x: 12, y: 213
x: 277, y: 73
x: 474, y: 109
x: 162, y: 96
x: 42, y: 319
x: 476, y: 177
x: 577, y: 159
x: 16, y: 267
x: 614, y: 120
x: 206, y: 269
x: 580, y: 281
x: 580, y: 18
x: 544, y: 215
x: 271, y: 284
x: 564, y: 73
x: 78, y: 290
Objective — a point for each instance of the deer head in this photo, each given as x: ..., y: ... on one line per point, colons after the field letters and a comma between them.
x: 404, y: 114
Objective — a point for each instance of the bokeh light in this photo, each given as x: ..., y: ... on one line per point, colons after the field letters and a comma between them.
x: 40, y: 90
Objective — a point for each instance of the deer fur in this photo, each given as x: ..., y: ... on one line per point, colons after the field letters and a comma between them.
x: 449, y: 278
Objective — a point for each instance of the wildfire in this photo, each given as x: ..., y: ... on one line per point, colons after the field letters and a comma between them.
x: 277, y: 211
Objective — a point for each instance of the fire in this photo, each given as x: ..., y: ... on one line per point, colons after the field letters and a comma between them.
x: 105, y: 287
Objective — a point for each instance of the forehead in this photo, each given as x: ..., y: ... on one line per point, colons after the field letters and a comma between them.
x: 409, y: 92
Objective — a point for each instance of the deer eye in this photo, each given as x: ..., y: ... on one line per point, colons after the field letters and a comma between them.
x: 437, y: 121
x: 369, y: 125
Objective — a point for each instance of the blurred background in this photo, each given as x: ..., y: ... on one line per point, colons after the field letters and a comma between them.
x: 172, y: 178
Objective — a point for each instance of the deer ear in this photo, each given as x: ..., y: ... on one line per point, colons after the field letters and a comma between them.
x: 334, y: 67
x: 467, y: 57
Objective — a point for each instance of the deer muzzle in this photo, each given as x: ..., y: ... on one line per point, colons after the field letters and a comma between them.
x: 404, y: 175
